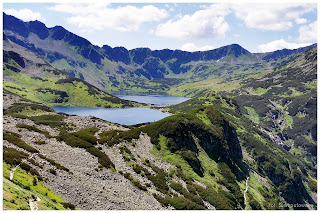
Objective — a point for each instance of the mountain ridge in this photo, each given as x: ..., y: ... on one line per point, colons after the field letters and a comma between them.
x: 112, y: 68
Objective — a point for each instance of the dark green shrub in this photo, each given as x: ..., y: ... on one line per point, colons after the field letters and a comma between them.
x: 137, y: 184
x: 159, y: 180
x: 19, y: 107
x: 69, y: 206
x: 130, y: 134
x: 103, y: 159
x: 52, y: 162
x: 164, y: 201
x: 12, y: 156
x: 312, y: 185
x: 74, y: 141
x: 190, y: 188
x: 14, y: 138
x: 34, y: 172
x: 33, y: 128
x: 181, y: 203
x: 128, y: 176
x: 194, y: 162
x: 126, y: 153
x: 253, y: 203
x: 107, y: 136
x: 229, y: 181
x: 40, y: 142
x: 34, y: 181
x: 179, y: 188
x: 124, y: 149
x: 52, y: 171
x: 146, y: 162
x: 218, y: 200
x: 140, y: 170
x: 52, y: 120
x: 31, y: 160
x: 25, y: 167
x: 15, y: 115
x: 87, y: 135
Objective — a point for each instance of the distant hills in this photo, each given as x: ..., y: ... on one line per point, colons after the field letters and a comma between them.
x: 112, y: 68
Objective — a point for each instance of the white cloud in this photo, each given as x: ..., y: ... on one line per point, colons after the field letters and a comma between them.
x: 98, y: 16
x: 308, y: 32
x: 236, y: 35
x: 301, y: 20
x: 206, y: 23
x: 279, y: 45
x: 191, y: 47
x: 25, y: 14
x: 274, y: 17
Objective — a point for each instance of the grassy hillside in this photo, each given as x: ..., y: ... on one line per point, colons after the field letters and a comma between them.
x: 26, y: 186
x: 211, y: 141
x: 29, y: 76
x: 282, y: 101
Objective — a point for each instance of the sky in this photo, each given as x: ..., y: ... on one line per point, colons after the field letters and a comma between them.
x: 257, y: 27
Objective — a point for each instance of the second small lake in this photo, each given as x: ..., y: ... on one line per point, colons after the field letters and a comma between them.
x: 150, y: 98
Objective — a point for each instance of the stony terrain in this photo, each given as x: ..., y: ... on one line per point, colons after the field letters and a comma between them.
x: 85, y: 187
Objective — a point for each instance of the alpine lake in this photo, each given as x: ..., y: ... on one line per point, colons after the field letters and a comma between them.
x: 127, y: 116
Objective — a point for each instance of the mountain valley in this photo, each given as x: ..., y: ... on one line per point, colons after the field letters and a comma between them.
x: 245, y: 140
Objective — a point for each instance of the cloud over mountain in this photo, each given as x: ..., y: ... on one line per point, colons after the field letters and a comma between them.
x: 25, y: 14
x: 98, y: 16
x: 308, y: 32
x: 280, y: 44
x: 206, y: 23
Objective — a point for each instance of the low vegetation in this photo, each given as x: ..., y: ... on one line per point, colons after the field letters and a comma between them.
x: 12, y: 156
x: 33, y: 128
x: 103, y: 159
x: 15, y: 139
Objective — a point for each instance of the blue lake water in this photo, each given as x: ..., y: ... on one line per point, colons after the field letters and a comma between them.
x: 151, y: 99
x: 127, y: 116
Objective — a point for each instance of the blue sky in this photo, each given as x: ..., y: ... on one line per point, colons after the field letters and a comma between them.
x: 187, y: 26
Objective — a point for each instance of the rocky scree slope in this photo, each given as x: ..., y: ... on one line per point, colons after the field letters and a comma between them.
x: 74, y: 169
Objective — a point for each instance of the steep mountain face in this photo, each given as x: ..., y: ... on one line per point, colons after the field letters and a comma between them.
x: 261, y: 154
x: 30, y: 76
x: 118, y: 68
x: 283, y: 102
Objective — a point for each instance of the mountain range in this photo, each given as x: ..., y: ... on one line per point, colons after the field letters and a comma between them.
x: 247, y: 138
x: 116, y: 68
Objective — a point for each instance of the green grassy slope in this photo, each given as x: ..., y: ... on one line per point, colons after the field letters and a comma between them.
x: 25, y: 186
x: 36, y: 82
x: 211, y: 141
